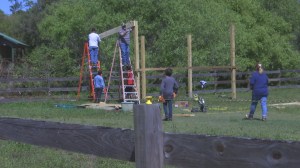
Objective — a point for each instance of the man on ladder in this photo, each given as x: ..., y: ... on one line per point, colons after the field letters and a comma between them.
x: 90, y: 51
x: 94, y: 40
x: 124, y: 42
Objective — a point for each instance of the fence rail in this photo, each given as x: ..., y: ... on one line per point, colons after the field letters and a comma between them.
x: 217, y: 81
x: 149, y: 146
x: 20, y: 85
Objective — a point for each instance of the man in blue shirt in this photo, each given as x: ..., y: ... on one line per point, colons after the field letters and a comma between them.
x: 259, y: 86
x: 99, y: 85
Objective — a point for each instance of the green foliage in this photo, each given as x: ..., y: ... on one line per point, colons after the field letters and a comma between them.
x: 266, y: 31
x: 47, y: 62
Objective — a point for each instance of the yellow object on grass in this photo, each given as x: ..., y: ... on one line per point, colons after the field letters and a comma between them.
x: 148, y: 99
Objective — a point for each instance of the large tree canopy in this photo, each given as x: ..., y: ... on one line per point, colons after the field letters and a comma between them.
x: 266, y: 31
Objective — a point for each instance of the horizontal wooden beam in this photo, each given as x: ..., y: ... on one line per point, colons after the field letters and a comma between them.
x: 185, y: 150
x: 100, y: 141
x: 115, y: 30
x: 181, y: 150
x: 194, y: 68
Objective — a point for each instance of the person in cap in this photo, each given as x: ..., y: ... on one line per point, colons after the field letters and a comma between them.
x: 124, y: 42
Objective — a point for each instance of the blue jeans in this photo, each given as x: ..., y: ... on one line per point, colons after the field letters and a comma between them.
x: 94, y: 54
x: 168, y: 107
x: 263, y: 102
x: 125, y: 53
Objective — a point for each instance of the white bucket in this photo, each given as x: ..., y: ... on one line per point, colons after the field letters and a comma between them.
x: 127, y: 106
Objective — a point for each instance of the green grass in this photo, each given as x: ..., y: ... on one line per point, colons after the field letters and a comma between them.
x: 224, y: 118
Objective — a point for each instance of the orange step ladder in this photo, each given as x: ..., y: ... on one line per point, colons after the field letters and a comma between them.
x: 93, y: 70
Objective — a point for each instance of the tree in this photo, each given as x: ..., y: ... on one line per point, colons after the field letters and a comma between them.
x: 265, y: 31
x: 18, y: 6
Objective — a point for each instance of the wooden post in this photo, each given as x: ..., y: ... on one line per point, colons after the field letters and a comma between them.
x: 137, y: 56
x: 248, y: 79
x: 148, y: 136
x: 232, y: 61
x: 279, y: 77
x: 216, y: 80
x: 143, y: 62
x: 190, y: 70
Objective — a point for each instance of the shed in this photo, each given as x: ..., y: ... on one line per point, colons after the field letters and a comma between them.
x: 11, y: 49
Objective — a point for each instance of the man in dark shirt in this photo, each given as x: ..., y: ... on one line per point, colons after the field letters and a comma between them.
x: 168, y: 89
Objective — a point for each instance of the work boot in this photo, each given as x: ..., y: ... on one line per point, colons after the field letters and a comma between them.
x: 249, y: 116
x: 124, y: 67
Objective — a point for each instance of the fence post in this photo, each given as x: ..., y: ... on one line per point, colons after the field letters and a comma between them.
x: 143, y: 62
x: 248, y: 78
x: 190, y: 65
x: 232, y: 61
x: 216, y: 80
x: 279, y: 77
x: 137, y: 56
x: 148, y: 136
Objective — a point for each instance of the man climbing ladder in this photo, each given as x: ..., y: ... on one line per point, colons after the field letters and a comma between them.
x: 124, y: 42
x: 127, y: 89
x: 125, y: 79
x: 94, y: 41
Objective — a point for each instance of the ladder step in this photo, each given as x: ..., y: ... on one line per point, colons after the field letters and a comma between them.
x: 131, y: 100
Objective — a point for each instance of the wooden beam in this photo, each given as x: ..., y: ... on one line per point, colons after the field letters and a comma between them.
x: 232, y: 61
x: 143, y: 62
x: 194, y: 68
x: 137, y: 56
x: 115, y: 30
x: 100, y: 141
x: 218, y: 152
x: 190, y: 71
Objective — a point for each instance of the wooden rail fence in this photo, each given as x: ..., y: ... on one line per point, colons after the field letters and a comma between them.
x: 218, y: 81
x: 149, y: 147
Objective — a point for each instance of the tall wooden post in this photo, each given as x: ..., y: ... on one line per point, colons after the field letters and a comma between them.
x: 232, y: 61
x: 137, y: 56
x: 143, y: 61
x: 190, y: 70
x: 148, y: 136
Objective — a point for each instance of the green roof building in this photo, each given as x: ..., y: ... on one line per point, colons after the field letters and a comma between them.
x: 10, y: 48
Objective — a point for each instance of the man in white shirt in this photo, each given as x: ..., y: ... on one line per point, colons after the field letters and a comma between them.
x: 94, y: 40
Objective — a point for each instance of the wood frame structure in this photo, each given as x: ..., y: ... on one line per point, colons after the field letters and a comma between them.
x: 134, y: 26
x: 189, y: 67
x: 141, y: 72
